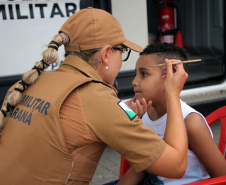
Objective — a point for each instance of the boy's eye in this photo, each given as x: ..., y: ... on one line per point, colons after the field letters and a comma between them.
x: 144, y: 74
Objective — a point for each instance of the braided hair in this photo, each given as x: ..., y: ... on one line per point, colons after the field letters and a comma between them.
x: 50, y: 55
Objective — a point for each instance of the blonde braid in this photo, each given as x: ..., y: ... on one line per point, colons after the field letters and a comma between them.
x: 50, y: 55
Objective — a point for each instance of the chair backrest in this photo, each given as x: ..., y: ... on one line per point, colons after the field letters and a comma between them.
x: 219, y: 114
x: 124, y: 166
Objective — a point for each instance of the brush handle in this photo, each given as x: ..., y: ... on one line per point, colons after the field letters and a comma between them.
x: 186, y: 61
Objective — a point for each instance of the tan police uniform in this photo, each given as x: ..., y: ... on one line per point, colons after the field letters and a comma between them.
x: 35, y: 148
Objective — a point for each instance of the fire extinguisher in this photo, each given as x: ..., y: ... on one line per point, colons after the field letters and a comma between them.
x: 169, y: 32
x: 166, y: 22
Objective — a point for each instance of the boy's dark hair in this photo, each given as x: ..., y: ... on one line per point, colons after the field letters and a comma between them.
x: 165, y: 50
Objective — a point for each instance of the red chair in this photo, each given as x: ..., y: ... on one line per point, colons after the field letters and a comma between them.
x: 124, y: 166
x: 219, y: 114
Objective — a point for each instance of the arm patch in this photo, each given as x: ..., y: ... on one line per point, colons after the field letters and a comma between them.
x: 127, y: 110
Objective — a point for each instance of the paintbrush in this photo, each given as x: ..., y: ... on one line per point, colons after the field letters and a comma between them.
x: 185, y: 61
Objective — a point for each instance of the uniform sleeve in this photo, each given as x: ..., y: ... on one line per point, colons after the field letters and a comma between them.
x: 119, y: 128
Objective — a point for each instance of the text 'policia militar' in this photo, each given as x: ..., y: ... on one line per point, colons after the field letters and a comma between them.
x: 13, y: 11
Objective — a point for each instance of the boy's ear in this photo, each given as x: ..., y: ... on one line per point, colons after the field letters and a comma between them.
x: 163, y: 72
x: 105, y: 54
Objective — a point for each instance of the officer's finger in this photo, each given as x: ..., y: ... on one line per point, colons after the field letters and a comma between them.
x: 169, y: 68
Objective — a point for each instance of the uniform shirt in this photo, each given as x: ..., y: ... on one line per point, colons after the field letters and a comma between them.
x: 103, y: 118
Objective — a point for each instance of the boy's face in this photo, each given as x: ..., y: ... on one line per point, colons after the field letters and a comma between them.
x: 148, y: 82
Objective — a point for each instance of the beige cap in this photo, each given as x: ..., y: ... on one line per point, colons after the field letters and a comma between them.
x: 93, y: 28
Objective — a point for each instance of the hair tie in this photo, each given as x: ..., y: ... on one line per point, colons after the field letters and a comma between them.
x: 65, y: 38
x: 4, y: 113
x: 54, y: 47
x: 54, y: 42
x: 9, y: 107
x: 24, y: 84
x: 37, y: 69
x: 44, y: 63
x: 20, y: 90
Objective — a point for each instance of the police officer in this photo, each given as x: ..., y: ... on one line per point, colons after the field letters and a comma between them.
x: 56, y: 125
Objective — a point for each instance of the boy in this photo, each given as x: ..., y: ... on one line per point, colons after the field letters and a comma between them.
x: 204, y: 157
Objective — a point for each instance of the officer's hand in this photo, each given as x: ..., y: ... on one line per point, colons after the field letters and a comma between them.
x: 175, y: 77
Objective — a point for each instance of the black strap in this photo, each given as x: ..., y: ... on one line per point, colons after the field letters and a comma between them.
x: 54, y: 42
x: 38, y: 69
x: 4, y: 113
x: 54, y: 47
x: 24, y: 84
x: 9, y: 107
x: 44, y: 63
x: 20, y: 90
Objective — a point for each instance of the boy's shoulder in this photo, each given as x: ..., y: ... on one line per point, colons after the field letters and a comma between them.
x: 187, y: 109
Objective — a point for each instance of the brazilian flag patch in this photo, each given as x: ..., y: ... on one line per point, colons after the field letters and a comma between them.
x: 127, y: 110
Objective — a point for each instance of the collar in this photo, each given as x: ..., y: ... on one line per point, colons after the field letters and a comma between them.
x: 75, y: 63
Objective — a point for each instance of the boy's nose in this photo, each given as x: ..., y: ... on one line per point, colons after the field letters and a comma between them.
x: 134, y: 82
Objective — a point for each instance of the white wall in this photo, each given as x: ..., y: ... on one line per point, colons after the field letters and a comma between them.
x: 132, y: 15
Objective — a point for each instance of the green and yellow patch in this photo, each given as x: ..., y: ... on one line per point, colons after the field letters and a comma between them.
x: 127, y: 110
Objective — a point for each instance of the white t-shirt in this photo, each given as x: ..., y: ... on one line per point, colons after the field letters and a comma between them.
x: 195, y: 170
